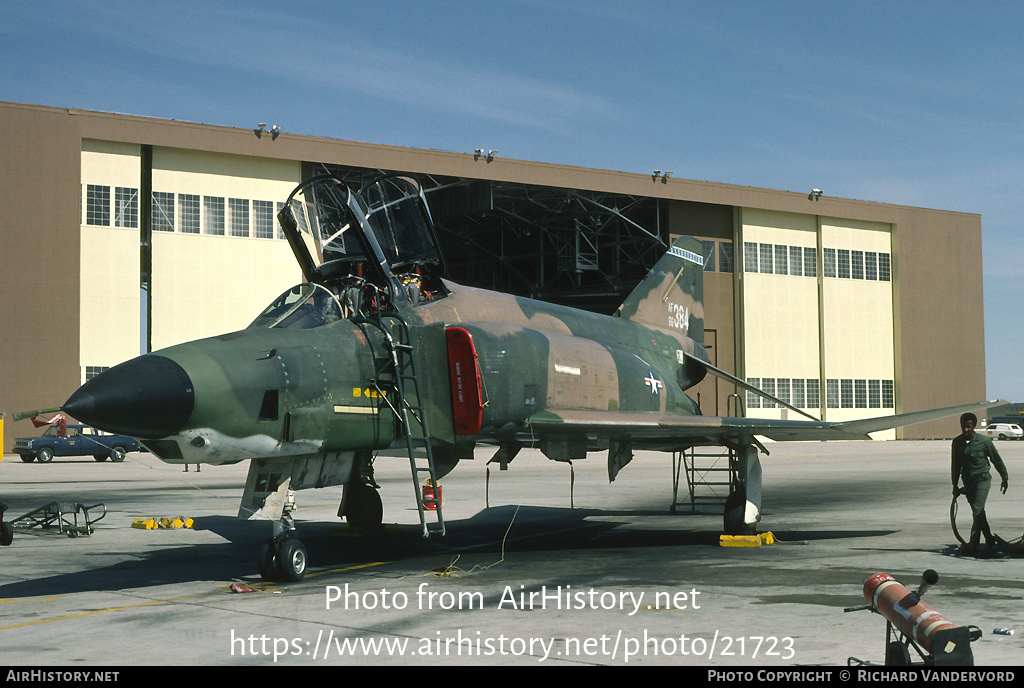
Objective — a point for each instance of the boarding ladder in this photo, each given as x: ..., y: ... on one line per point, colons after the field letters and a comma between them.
x: 397, y: 371
x: 710, y: 473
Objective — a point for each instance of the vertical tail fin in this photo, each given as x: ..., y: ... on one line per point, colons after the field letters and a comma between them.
x: 672, y: 294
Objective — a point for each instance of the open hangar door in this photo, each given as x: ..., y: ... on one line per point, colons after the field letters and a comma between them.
x: 579, y: 248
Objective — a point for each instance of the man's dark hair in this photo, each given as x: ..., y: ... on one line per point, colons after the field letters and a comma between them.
x: 966, y: 417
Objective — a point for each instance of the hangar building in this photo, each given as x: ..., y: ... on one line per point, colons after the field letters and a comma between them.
x: 122, y: 234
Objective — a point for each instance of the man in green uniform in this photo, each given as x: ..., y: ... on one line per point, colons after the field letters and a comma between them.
x: 972, y: 453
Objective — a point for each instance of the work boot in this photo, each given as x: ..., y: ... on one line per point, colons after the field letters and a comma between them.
x: 971, y: 549
x: 993, y: 550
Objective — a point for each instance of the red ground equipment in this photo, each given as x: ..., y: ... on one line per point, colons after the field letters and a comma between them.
x: 936, y: 640
x: 60, y: 420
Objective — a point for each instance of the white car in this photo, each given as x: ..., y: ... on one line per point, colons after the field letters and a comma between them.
x: 1003, y: 431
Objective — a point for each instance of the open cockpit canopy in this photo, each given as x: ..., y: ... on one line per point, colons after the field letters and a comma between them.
x: 370, y: 248
x: 384, y: 227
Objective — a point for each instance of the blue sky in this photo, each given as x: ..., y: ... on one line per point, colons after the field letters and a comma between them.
x: 915, y: 103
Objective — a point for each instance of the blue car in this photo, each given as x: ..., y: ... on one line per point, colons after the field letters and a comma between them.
x: 76, y: 440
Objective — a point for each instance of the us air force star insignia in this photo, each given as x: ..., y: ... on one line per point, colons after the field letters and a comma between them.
x: 654, y: 383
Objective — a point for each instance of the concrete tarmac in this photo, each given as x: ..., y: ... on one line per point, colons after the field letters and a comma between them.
x: 542, y: 566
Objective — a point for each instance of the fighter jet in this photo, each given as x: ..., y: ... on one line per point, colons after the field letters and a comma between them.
x: 376, y: 353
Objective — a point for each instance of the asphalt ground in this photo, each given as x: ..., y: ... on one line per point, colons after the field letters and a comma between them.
x: 543, y: 565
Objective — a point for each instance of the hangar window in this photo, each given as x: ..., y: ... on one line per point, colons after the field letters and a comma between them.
x: 188, y: 213
x: 783, y: 390
x: 239, y: 211
x: 93, y: 371
x: 766, y: 259
x: 126, y: 207
x: 870, y: 265
x: 263, y: 219
x: 810, y: 262
x: 781, y: 260
x: 796, y: 261
x: 753, y: 400
x: 725, y: 260
x: 874, y: 393
x: 213, y: 215
x: 846, y: 393
x: 832, y: 393
x: 888, y: 394
x: 799, y: 392
x: 860, y: 393
x: 813, y: 389
x: 884, y: 267
x: 749, y: 257
x: 797, y: 398
x: 709, y: 256
x: 857, y: 265
x: 277, y: 222
x: 97, y: 205
x: 843, y: 263
x: 163, y: 211
x: 828, y: 256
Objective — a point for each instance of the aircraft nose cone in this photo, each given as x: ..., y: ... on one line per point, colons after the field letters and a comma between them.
x: 147, y: 397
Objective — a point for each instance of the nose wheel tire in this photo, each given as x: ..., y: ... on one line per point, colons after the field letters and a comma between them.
x: 268, y: 571
x: 291, y: 560
x: 283, y: 561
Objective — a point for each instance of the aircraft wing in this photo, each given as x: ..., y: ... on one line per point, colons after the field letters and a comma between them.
x: 666, y: 428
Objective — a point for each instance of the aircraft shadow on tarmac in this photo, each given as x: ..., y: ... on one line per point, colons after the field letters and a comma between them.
x: 335, y: 545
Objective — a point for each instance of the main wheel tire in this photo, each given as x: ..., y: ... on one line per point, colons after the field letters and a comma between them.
x: 6, y: 533
x: 735, y: 508
x: 27, y: 458
x: 291, y: 560
x: 45, y: 455
x: 100, y: 457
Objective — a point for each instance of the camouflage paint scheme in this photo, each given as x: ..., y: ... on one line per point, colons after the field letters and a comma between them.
x: 309, y: 406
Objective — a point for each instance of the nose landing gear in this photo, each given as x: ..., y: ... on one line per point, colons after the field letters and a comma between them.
x: 283, y: 557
